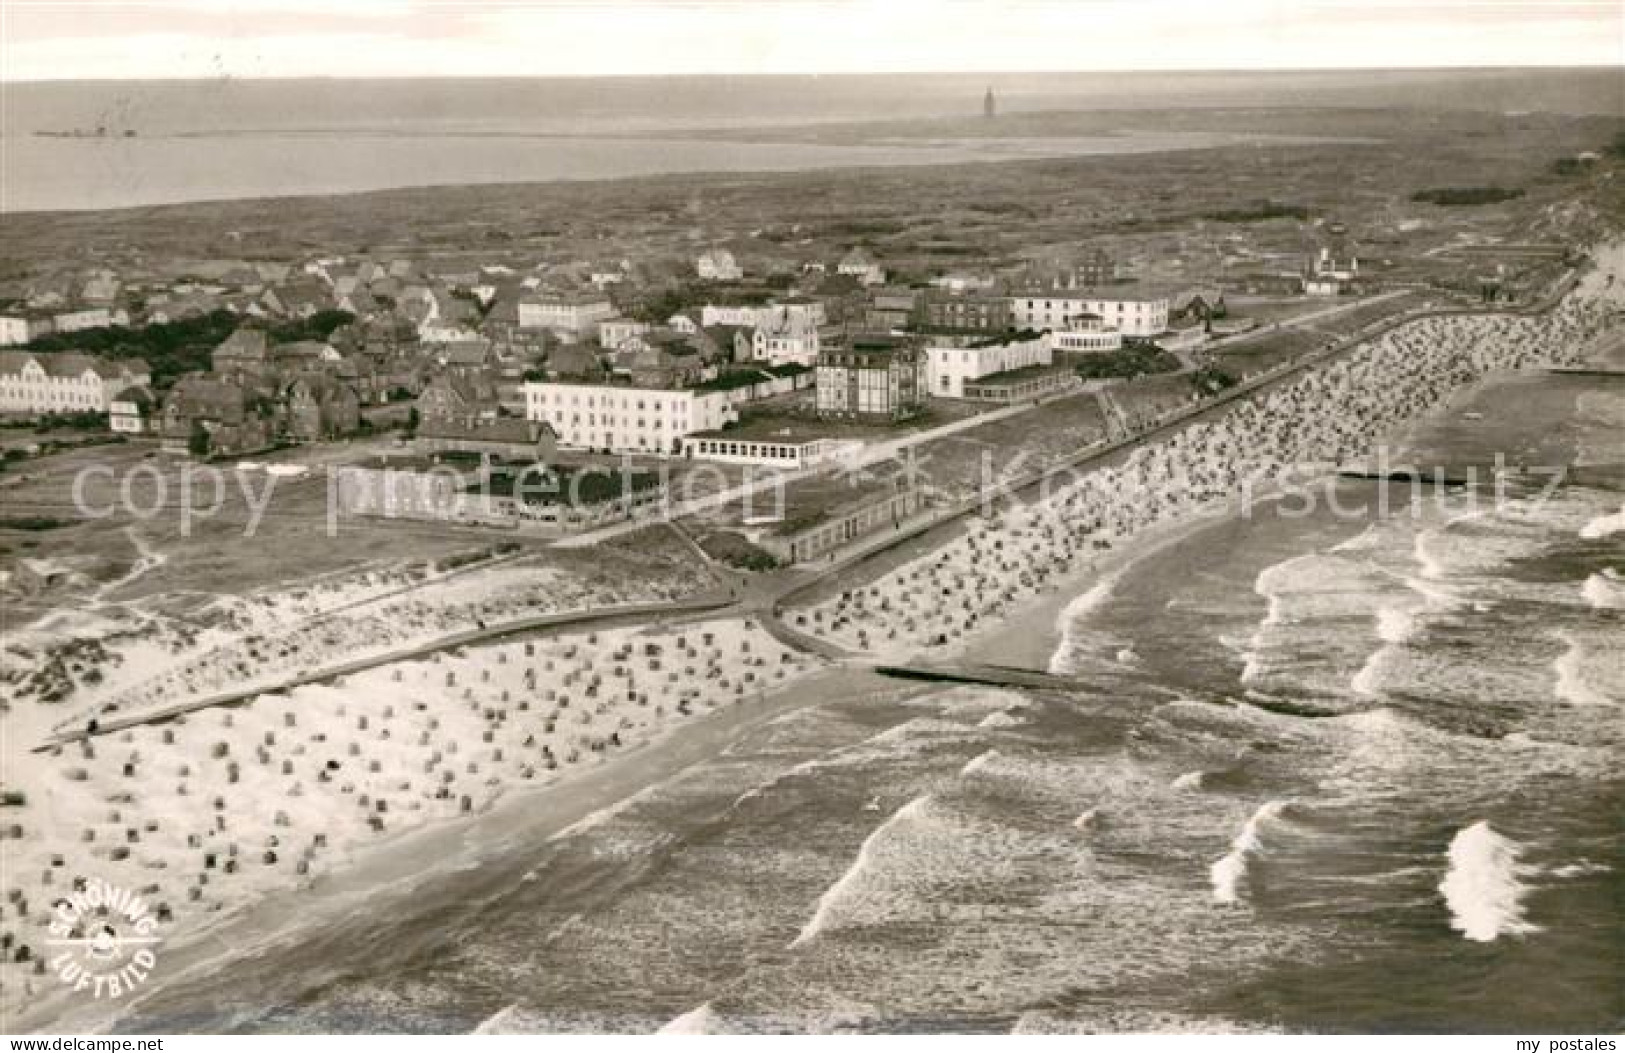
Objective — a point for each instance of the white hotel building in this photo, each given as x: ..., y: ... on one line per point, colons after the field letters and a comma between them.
x: 1085, y: 334
x: 65, y: 382
x: 949, y: 367
x: 790, y: 312
x: 784, y: 344
x: 20, y: 329
x: 625, y: 419
x: 1130, y: 313
x: 571, y: 314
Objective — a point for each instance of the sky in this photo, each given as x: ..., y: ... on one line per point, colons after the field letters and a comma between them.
x: 78, y: 39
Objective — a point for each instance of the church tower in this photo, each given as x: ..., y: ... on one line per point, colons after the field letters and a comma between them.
x: 987, y: 104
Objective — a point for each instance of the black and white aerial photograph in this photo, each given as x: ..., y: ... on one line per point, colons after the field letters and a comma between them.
x: 812, y: 517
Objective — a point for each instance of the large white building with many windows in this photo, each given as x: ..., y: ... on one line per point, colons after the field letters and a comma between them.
x: 787, y: 312
x: 65, y: 382
x: 573, y: 314
x: 1085, y: 334
x: 950, y: 365
x: 624, y: 419
x: 1131, y: 313
x: 782, y: 343
x: 875, y: 377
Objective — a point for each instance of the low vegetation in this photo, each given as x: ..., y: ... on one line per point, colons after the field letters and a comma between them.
x: 1467, y: 195
x: 725, y: 546
x: 170, y: 349
x: 32, y: 523
x: 1136, y: 360
x: 1212, y: 380
x: 1258, y: 212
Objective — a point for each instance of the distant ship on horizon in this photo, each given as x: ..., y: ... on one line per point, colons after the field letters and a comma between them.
x: 84, y: 133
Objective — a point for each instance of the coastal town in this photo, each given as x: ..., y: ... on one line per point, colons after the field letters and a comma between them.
x: 743, y: 361
x: 482, y: 517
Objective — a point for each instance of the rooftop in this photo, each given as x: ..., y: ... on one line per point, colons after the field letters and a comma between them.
x: 1016, y: 376
x: 70, y: 364
x: 809, y: 502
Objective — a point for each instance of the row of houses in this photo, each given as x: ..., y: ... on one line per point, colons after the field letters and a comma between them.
x: 720, y: 265
x: 36, y: 383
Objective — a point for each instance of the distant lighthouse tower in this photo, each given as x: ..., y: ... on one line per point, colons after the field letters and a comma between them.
x: 988, y: 108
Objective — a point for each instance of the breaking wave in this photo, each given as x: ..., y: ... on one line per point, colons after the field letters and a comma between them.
x: 700, y: 1021
x: 1571, y: 684
x: 844, y: 887
x: 1604, y: 526
x: 1080, y: 607
x: 1228, y: 872
x: 1483, y: 887
x: 1604, y: 590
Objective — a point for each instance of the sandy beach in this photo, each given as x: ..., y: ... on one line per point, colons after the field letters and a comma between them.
x: 393, y: 867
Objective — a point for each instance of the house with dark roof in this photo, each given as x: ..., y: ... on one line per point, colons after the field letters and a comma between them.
x: 458, y: 397
x: 209, y: 416
x: 724, y: 343
x: 319, y: 407
x: 574, y: 361
x: 508, y: 438
x: 245, y: 352
x: 300, y: 297
x: 301, y: 356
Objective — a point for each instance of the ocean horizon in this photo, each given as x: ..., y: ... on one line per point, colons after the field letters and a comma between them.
x: 87, y: 145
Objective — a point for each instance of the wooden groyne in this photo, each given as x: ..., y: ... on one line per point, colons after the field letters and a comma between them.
x: 1405, y: 475
x: 976, y: 673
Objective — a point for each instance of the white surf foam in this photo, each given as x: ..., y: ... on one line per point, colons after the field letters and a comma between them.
x: 833, y: 895
x: 1433, y: 568
x: 594, y: 820
x: 1604, y: 526
x: 1364, y: 541
x: 1604, y: 591
x: 975, y: 764
x: 1581, y: 868
x: 1266, y: 585
x: 1299, y: 591
x: 1571, y: 684
x: 1395, y: 626
x: 1071, y: 614
x: 1227, y: 873
x: 1483, y: 886
x: 698, y: 1021
x: 1191, y: 780
x: 504, y: 1021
